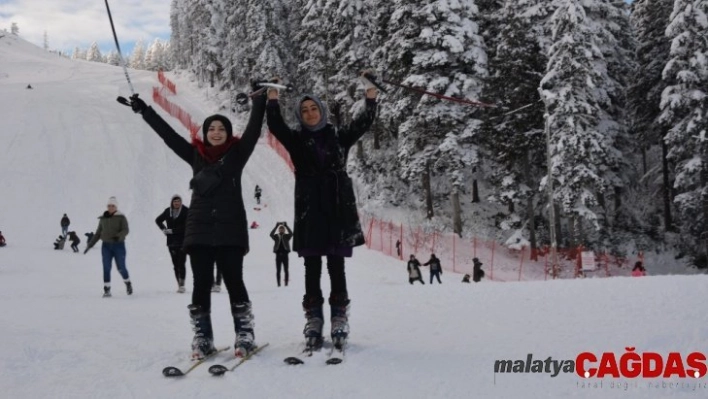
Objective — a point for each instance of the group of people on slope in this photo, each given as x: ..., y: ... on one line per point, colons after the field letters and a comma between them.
x: 413, y: 266
x: 216, y: 229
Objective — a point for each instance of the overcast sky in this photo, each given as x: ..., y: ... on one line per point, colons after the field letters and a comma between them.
x: 71, y: 23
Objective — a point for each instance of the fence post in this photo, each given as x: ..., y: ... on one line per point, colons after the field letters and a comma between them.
x: 491, y: 272
x: 521, y: 264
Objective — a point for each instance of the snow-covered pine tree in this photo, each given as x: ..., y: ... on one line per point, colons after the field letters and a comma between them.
x: 14, y: 29
x: 649, y: 19
x: 113, y: 58
x: 137, y: 58
x: 582, y: 154
x: 438, y: 49
x: 683, y: 107
x: 77, y: 54
x: 94, y: 53
x: 516, y: 141
x: 314, y: 63
x: 266, y: 38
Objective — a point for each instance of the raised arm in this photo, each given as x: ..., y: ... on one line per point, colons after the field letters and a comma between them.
x: 250, y: 136
x: 272, y: 232
x: 353, y: 132
x: 177, y: 143
x: 276, y: 124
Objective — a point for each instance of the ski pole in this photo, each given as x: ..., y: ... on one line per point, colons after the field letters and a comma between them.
x: 242, y: 98
x: 440, y: 96
x: 120, y: 55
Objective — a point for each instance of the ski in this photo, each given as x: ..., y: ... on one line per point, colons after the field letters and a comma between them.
x: 334, y: 356
x: 220, y: 369
x: 176, y: 371
x: 338, y: 349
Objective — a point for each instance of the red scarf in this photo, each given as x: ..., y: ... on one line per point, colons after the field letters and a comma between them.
x: 214, y: 153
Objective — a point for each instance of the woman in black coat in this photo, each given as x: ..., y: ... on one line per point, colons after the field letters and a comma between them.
x: 172, y: 222
x: 216, y: 229
x: 326, y: 219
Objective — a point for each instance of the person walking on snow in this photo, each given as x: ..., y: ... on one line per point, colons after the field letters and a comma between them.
x: 217, y: 229
x: 281, y: 248
x: 112, y: 229
x: 414, y: 273
x: 65, y: 222
x: 435, y: 268
x: 172, y: 222
x: 257, y: 195
x: 326, y: 219
x: 75, y: 241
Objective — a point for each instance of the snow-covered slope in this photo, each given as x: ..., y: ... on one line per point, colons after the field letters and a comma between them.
x: 67, y: 145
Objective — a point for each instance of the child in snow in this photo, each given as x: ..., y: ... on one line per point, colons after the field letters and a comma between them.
x: 217, y: 229
x: 75, y: 241
x: 59, y: 242
x: 323, y: 189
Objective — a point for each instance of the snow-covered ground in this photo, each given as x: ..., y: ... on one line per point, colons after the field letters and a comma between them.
x: 67, y: 145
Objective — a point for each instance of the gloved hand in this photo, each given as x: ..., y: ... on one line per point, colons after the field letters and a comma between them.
x: 365, y: 74
x: 167, y: 231
x: 137, y: 104
x: 272, y: 92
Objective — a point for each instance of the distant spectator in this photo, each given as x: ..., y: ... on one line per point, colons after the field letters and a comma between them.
x: 435, y: 268
x: 59, y: 242
x: 172, y: 222
x: 477, y: 272
x: 29, y: 86
x: 75, y: 241
x: 89, y: 236
x: 2, y: 240
x: 281, y: 248
x: 254, y: 225
x: 639, y: 270
x: 65, y: 222
x: 398, y: 248
x: 414, y: 273
x: 466, y: 278
x: 257, y: 194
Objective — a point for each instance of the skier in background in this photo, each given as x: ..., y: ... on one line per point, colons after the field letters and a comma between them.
x: 257, y: 195
x: 65, y: 222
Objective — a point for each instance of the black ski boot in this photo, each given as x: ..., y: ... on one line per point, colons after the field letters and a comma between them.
x: 339, y: 306
x: 106, y: 292
x: 243, y: 326
x: 313, y: 326
x: 128, y: 287
x: 203, y: 341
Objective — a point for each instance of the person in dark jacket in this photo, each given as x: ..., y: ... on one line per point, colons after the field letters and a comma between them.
x: 414, y: 273
x: 75, y: 241
x: 257, y: 194
x: 65, y: 222
x: 326, y: 218
x: 435, y: 268
x: 2, y: 240
x: 281, y: 248
x: 172, y: 222
x: 477, y: 272
x: 89, y: 236
x: 59, y: 242
x: 466, y: 278
x: 217, y: 228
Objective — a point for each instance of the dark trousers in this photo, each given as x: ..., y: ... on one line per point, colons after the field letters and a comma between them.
x: 412, y: 280
x: 229, y: 261
x: 281, y: 262
x: 179, y: 259
x: 435, y: 273
x: 337, y: 278
x: 75, y: 246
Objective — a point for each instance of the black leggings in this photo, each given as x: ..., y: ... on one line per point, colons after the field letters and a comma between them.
x: 179, y: 259
x: 229, y: 261
x: 281, y: 262
x: 337, y: 278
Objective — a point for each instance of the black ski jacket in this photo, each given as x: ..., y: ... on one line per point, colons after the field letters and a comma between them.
x: 325, y: 207
x: 177, y: 225
x: 218, y: 219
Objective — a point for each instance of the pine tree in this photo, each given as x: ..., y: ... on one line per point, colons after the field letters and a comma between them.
x: 582, y: 154
x: 683, y: 107
x: 94, y: 53
x: 137, y: 58
x: 14, y: 29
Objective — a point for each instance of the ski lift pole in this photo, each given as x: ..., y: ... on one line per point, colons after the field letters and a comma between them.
x: 373, y: 80
x: 120, y: 55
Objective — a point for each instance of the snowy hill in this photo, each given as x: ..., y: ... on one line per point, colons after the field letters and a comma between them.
x: 67, y: 145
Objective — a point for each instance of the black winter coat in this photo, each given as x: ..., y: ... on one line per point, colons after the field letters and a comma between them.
x: 177, y: 225
x: 325, y: 207
x: 434, y: 264
x: 284, y: 238
x: 220, y: 218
